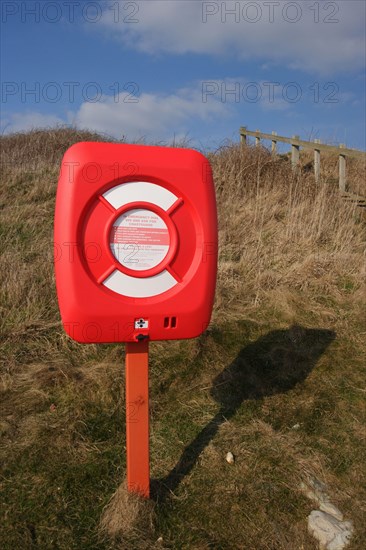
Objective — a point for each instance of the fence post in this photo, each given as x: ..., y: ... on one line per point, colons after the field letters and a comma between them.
x: 274, y: 144
x: 317, y: 162
x: 257, y: 140
x: 342, y: 170
x: 243, y: 137
x: 295, y: 154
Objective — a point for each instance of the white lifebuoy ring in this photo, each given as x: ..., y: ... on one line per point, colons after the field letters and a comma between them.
x: 133, y: 192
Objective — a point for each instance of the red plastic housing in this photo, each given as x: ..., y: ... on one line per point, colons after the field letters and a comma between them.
x: 135, y: 242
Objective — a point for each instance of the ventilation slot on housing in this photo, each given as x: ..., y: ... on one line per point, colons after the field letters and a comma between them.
x: 170, y: 322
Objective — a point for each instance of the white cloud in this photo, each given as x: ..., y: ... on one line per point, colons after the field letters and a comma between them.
x: 190, y: 112
x: 181, y: 114
x: 334, y: 44
x: 21, y: 122
x: 152, y: 116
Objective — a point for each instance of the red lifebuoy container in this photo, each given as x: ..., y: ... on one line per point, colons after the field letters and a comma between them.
x: 135, y: 242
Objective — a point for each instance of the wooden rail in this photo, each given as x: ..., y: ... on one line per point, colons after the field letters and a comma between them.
x: 342, y: 151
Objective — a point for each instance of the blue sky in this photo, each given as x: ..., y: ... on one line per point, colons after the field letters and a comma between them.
x: 194, y: 69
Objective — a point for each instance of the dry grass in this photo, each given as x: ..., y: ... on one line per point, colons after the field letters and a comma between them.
x: 283, y: 237
x: 127, y: 514
x: 285, y: 348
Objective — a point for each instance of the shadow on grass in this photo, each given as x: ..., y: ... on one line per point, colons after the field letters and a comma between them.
x: 273, y: 364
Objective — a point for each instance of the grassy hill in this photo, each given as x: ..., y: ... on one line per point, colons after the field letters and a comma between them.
x: 277, y: 379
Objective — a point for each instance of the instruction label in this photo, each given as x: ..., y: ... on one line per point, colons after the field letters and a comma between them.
x: 139, y: 239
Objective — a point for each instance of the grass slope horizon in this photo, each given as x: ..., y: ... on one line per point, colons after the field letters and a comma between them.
x: 277, y: 379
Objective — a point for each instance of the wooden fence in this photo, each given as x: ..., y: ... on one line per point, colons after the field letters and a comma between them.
x: 315, y: 145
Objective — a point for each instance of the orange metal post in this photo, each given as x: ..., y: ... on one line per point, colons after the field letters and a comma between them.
x: 137, y: 417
